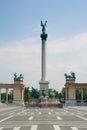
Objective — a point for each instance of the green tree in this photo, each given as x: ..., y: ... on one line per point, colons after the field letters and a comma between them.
x: 27, y: 94
x: 62, y: 94
x: 56, y: 94
x: 3, y: 97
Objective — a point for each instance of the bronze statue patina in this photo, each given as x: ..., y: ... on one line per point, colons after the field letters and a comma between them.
x: 44, y: 92
x: 43, y: 25
x: 70, y: 77
x: 18, y: 78
x: 52, y: 93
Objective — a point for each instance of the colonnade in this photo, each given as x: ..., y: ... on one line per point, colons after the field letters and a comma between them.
x: 18, y: 92
x: 7, y: 90
x: 6, y: 94
x: 70, y: 87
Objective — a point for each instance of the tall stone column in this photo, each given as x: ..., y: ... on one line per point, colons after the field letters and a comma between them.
x: 44, y: 71
x: 6, y: 95
x: 43, y: 82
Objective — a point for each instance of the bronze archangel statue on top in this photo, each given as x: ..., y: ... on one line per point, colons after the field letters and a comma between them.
x: 43, y: 27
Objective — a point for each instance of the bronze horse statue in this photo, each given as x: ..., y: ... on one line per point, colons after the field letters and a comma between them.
x: 70, y: 77
x: 18, y: 78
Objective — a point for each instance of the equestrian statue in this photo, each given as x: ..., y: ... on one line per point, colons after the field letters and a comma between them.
x: 18, y: 78
x: 70, y: 77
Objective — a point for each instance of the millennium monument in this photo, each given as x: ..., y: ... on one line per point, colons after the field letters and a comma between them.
x: 43, y: 82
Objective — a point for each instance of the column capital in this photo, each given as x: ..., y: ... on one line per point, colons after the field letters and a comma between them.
x: 44, y: 36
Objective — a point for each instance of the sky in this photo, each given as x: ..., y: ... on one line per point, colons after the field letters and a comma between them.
x: 20, y: 42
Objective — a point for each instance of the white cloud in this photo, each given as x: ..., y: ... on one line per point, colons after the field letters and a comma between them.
x: 24, y: 57
x: 78, y: 42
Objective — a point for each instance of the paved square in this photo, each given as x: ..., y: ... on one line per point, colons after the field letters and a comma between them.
x: 20, y: 118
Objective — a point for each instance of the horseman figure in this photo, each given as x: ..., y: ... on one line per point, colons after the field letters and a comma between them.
x: 18, y: 78
x: 70, y: 77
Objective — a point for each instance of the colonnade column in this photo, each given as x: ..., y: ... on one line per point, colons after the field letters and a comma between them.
x: 81, y: 95
x: 6, y: 95
x: 0, y: 94
x: 22, y: 94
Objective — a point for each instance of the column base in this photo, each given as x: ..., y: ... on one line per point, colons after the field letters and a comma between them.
x: 70, y: 102
x: 18, y: 102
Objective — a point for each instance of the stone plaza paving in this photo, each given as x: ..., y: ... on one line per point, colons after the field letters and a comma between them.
x: 20, y: 118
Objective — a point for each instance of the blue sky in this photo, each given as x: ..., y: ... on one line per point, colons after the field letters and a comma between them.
x: 20, y: 43
x: 18, y: 18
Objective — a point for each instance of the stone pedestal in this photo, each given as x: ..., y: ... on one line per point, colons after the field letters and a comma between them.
x: 18, y: 92
x: 44, y: 85
x: 70, y: 92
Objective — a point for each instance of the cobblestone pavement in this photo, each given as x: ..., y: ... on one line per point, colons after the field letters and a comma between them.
x: 20, y: 118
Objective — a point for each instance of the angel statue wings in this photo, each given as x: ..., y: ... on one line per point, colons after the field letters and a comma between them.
x: 43, y: 25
